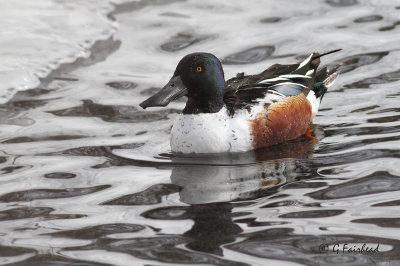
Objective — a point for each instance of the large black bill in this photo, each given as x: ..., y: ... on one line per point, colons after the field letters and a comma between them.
x: 173, y: 90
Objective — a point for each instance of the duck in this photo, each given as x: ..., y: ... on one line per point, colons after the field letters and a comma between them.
x: 246, y: 112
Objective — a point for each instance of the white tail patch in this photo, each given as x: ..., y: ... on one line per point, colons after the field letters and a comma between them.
x: 311, y: 97
x: 315, y: 102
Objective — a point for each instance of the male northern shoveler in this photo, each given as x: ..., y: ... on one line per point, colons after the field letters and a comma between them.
x: 245, y: 112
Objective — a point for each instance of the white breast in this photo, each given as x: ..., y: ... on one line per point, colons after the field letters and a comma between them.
x: 211, y: 133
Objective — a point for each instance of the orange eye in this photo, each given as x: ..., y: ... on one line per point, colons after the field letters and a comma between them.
x: 199, y: 69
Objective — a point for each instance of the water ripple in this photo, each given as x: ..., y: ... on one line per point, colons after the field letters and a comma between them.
x: 152, y: 195
x: 36, y: 194
x: 33, y: 212
x: 252, y: 55
x: 376, y: 182
x: 88, y: 178
x: 120, y: 114
x: 57, y: 260
x: 99, y: 231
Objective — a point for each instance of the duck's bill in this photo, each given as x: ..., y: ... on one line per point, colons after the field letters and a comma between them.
x: 172, y: 91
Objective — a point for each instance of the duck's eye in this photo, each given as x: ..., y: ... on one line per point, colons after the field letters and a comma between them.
x: 199, y: 69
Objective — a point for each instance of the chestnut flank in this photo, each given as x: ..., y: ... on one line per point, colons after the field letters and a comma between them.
x: 281, y: 121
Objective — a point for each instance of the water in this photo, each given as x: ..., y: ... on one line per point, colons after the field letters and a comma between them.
x: 87, y: 177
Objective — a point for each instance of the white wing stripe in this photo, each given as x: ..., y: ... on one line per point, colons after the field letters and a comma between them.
x: 310, y: 72
x: 287, y: 83
x: 285, y: 78
x: 305, y: 62
x: 295, y: 76
x: 265, y: 81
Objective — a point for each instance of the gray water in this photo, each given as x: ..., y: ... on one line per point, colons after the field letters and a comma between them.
x: 87, y: 177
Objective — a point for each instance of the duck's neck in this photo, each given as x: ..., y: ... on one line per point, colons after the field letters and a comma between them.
x: 210, y: 102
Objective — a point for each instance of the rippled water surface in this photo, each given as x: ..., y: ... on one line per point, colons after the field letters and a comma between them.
x: 87, y: 177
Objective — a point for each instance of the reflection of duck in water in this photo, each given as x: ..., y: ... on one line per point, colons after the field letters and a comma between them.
x: 222, y: 183
x: 213, y: 227
x: 245, y: 112
x: 212, y: 184
x: 235, y: 176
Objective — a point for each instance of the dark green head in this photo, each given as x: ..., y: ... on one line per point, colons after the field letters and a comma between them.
x: 200, y: 77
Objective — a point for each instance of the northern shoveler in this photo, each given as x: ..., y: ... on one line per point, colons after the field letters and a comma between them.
x: 244, y: 112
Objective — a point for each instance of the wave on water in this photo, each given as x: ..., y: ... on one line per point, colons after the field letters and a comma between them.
x: 38, y: 37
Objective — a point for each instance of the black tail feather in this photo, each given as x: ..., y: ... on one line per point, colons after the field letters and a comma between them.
x: 330, y: 52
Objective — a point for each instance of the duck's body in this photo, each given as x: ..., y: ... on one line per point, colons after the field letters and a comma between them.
x: 245, y: 130
x: 245, y: 112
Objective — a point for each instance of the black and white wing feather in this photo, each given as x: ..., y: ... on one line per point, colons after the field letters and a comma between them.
x: 243, y: 92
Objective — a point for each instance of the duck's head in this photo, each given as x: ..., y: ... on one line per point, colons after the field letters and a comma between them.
x: 200, y: 77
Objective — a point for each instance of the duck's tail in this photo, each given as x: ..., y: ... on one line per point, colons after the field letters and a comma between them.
x: 324, y: 79
x: 309, y: 67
